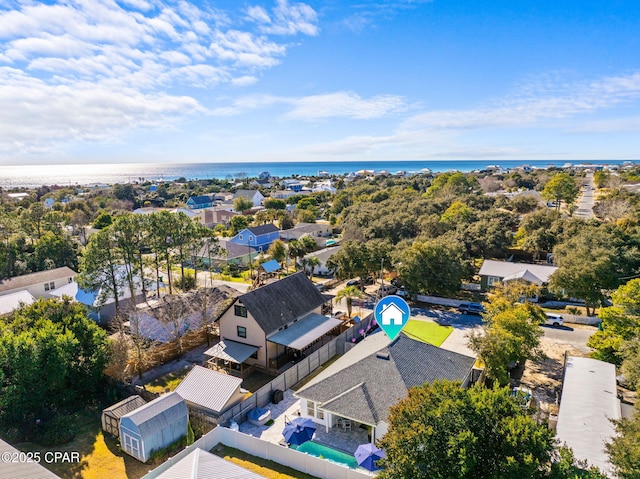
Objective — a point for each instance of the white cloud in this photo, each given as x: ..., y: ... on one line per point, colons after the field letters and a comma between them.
x: 286, y: 19
x: 318, y: 107
x: 536, y: 104
x: 72, y: 54
x: 345, y: 105
x: 35, y: 114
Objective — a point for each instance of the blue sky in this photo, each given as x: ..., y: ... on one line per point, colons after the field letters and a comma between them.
x: 173, y: 81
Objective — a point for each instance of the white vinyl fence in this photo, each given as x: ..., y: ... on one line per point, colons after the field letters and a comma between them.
x: 299, y: 461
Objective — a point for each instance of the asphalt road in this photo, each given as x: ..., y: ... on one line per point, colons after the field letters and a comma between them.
x: 585, y: 204
x: 574, y: 335
x: 570, y: 334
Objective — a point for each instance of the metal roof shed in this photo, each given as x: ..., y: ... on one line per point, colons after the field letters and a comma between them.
x: 111, y: 415
x: 589, y: 401
x: 210, y: 392
x: 154, y: 426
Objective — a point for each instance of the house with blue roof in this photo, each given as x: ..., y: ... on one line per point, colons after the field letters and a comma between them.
x: 154, y: 426
x: 257, y: 237
x: 198, y: 202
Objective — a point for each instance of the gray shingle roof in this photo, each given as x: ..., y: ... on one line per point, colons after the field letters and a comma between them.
x: 249, y: 194
x: 159, y: 413
x: 27, y: 280
x: 263, y: 229
x: 365, y: 390
x: 279, y: 303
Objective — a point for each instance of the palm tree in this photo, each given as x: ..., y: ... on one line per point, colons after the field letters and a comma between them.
x: 311, y: 263
x: 349, y: 293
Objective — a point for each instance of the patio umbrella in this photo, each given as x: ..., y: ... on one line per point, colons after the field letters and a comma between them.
x: 299, y: 430
x: 367, y: 455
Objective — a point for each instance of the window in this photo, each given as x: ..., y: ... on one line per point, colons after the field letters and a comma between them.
x: 240, y: 311
x: 492, y: 280
x: 311, y: 408
x: 250, y: 238
x: 242, y: 331
x: 240, y: 237
x: 314, y: 410
x: 49, y: 286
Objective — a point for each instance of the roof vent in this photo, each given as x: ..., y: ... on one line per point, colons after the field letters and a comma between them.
x: 383, y: 355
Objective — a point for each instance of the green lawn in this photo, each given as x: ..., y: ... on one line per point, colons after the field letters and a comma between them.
x: 267, y: 469
x: 427, y: 331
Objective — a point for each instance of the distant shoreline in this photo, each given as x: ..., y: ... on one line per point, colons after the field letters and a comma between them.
x: 33, y: 176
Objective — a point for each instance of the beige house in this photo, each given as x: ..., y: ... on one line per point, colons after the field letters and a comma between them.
x: 38, y: 284
x: 272, y: 326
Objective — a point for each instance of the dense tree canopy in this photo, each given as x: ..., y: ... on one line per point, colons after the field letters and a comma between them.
x: 620, y: 324
x: 593, y: 262
x: 512, y: 331
x: 624, y: 448
x: 51, y: 358
x: 561, y: 187
x: 442, y: 431
x: 435, y: 266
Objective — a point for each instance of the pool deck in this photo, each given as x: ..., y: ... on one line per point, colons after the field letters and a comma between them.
x: 289, y: 407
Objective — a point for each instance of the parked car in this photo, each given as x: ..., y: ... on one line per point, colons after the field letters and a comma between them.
x: 554, y: 319
x: 387, y: 289
x: 353, y: 282
x: 471, y: 308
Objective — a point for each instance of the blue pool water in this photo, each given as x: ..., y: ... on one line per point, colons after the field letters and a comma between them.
x: 326, y: 452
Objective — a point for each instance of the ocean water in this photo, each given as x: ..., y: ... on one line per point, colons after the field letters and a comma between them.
x: 90, y: 174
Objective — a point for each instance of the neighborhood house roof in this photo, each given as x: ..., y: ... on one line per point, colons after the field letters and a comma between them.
x: 200, y: 200
x: 525, y: 275
x: 125, y: 406
x: 12, y: 301
x: 207, y: 388
x: 233, y: 351
x: 27, y: 280
x: 365, y: 389
x: 263, y: 229
x: 324, y: 254
x: 21, y: 469
x: 171, y: 316
x: 201, y: 464
x: 504, y: 269
x: 588, y: 403
x: 270, y: 266
x: 249, y: 194
x: 281, y: 302
x: 305, y: 331
x: 158, y: 414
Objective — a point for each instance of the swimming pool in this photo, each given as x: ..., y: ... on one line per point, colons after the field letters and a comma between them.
x: 326, y: 452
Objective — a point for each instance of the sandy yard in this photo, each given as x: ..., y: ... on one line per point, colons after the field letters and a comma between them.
x: 544, y: 377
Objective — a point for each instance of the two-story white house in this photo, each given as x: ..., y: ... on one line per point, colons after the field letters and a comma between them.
x: 38, y: 284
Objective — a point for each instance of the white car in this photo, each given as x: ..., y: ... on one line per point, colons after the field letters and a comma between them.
x: 554, y: 319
